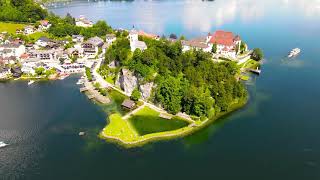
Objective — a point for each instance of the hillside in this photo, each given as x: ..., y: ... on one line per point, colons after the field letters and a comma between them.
x: 21, y: 11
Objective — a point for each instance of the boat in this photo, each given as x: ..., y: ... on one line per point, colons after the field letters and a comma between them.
x: 30, y: 82
x: 294, y: 52
x: 2, y: 144
x: 80, y: 81
x: 82, y: 133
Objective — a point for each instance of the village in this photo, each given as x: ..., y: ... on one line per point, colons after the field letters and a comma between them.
x: 51, y: 57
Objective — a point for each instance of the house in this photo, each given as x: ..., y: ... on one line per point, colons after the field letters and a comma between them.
x: 12, y: 49
x: 227, y: 43
x: 43, y: 41
x: 28, y: 68
x: 105, y: 47
x: 91, y: 47
x: 134, y: 41
x: 110, y: 38
x: 16, y: 71
x: 197, y: 44
x: 129, y: 104
x: 28, y: 30
x: 44, y: 25
x: 83, y: 22
x: 75, y: 52
x: 44, y: 55
x: 77, y: 38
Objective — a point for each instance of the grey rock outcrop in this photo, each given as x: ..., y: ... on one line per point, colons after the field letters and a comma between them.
x: 127, y: 81
x: 146, y: 90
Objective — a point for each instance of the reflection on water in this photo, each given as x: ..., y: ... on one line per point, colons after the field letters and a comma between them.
x: 190, y: 15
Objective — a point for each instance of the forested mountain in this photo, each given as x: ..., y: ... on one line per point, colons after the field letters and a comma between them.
x: 21, y: 11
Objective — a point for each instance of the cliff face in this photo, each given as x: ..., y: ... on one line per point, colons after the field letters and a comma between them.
x: 127, y: 81
x: 146, y: 90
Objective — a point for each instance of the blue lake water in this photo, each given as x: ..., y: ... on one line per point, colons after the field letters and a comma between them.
x: 274, y: 137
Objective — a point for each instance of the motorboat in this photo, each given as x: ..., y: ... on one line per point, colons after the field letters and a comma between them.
x: 2, y: 144
x: 294, y: 52
x: 30, y: 82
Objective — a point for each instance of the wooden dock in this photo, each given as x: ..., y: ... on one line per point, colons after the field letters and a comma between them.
x: 83, y: 89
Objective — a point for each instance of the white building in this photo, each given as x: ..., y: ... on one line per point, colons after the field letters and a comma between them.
x: 28, y: 68
x: 77, y: 38
x: 91, y: 47
x: 28, y: 30
x: 196, y: 44
x: 110, y: 38
x: 8, y: 50
x: 134, y: 41
x: 43, y: 55
x: 83, y: 22
x: 227, y: 44
x: 44, y: 25
x: 43, y: 41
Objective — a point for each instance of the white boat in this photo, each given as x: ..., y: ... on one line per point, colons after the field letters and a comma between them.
x: 2, y: 144
x: 294, y: 52
x: 31, y: 82
x: 80, y: 81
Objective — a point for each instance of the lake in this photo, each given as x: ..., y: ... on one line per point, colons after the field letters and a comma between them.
x: 274, y: 137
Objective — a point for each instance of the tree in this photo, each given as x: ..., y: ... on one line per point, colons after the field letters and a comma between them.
x: 40, y: 71
x: 257, y: 54
x: 173, y: 36
x: 214, y: 48
x: 136, y: 95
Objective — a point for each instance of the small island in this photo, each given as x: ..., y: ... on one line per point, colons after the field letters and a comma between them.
x: 153, y: 87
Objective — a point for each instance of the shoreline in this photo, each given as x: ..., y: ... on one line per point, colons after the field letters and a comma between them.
x: 174, y: 134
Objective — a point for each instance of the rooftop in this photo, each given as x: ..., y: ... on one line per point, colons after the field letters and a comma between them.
x: 128, y: 104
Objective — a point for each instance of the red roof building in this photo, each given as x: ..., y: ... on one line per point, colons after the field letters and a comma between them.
x: 223, y: 38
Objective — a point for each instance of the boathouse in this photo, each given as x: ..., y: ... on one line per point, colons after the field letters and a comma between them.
x: 129, y: 104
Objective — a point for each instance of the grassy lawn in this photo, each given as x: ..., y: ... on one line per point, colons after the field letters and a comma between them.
x: 35, y: 36
x: 250, y: 64
x: 10, y: 27
x: 110, y: 79
x: 147, y: 121
x: 115, y: 105
x: 120, y: 128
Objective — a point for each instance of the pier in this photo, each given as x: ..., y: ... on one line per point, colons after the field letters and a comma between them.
x: 92, y: 93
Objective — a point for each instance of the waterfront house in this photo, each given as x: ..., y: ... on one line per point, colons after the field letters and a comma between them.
x: 28, y: 30
x: 110, y: 38
x: 44, y: 25
x: 83, y: 22
x: 128, y: 104
x: 134, y: 41
x: 43, y: 41
x: 77, y: 38
x: 28, y: 68
x: 16, y: 71
x: 227, y: 43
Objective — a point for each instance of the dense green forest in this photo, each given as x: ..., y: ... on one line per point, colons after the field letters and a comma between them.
x: 62, y: 27
x: 21, y: 11
x: 190, y: 82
